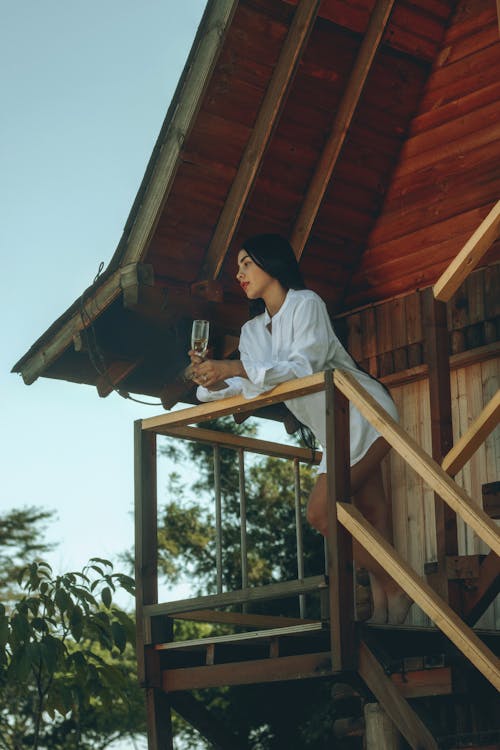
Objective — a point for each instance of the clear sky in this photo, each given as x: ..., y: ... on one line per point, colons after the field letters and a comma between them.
x: 85, y: 85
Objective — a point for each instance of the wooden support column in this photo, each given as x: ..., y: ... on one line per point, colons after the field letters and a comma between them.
x: 380, y: 731
x: 146, y: 577
x: 340, y: 562
x: 437, y: 358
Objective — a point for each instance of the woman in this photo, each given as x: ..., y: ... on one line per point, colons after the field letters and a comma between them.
x: 290, y: 336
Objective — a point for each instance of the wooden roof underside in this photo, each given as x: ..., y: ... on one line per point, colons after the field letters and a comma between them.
x: 368, y: 133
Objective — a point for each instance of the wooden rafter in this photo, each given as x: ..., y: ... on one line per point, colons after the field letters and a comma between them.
x: 267, y: 118
x: 33, y: 365
x: 114, y: 375
x: 477, y: 433
x: 439, y: 612
x: 469, y: 256
x: 345, y: 113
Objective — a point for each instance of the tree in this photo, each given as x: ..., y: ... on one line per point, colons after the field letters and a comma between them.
x: 67, y: 664
x: 21, y: 540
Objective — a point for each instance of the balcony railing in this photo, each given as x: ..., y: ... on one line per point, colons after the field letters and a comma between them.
x: 344, y: 522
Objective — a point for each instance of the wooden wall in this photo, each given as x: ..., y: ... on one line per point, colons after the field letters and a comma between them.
x: 448, y: 176
x: 472, y: 387
x: 388, y: 339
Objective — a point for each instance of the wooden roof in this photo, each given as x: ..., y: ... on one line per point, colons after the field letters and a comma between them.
x: 368, y: 133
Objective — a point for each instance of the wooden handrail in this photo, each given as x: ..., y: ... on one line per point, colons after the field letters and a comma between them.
x: 430, y: 471
x: 253, y: 445
x: 236, y: 404
x: 473, y: 437
x: 435, y: 476
x: 431, y: 603
x: 409, y: 450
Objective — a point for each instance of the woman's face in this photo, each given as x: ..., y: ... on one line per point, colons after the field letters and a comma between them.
x: 253, y: 280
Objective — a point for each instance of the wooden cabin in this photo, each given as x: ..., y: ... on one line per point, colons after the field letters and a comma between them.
x: 368, y: 133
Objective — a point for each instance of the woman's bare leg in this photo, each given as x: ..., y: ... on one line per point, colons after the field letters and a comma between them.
x: 368, y: 494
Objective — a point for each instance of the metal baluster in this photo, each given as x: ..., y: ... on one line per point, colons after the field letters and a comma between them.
x: 298, y: 532
x: 243, y: 521
x: 218, y: 517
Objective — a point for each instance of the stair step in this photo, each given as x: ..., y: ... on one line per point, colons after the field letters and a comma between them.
x: 255, y: 636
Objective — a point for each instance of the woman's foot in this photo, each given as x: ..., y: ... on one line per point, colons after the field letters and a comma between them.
x: 398, y: 606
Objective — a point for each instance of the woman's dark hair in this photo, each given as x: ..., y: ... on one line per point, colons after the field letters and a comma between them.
x: 274, y: 254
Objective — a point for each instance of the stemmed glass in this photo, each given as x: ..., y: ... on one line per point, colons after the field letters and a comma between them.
x: 199, y: 337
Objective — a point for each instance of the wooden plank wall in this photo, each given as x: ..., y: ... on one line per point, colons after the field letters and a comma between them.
x: 447, y: 177
x: 413, y: 503
x: 388, y: 340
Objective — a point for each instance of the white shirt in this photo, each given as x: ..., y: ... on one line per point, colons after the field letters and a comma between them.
x: 302, y: 342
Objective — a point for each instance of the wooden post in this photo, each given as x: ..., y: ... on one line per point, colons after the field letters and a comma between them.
x: 437, y: 357
x: 380, y: 731
x: 340, y: 562
x: 146, y: 577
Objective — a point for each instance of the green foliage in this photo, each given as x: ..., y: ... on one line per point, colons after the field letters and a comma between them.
x: 66, y: 661
x: 21, y: 540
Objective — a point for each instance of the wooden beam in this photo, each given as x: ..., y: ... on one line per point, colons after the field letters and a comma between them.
x: 146, y: 542
x: 252, y: 636
x: 475, y: 436
x: 133, y: 277
x: 339, y: 543
x: 187, y: 101
x: 158, y: 719
x: 491, y: 499
x: 380, y: 730
x: 228, y: 598
x: 469, y: 256
x: 430, y: 471
x: 436, y: 355
x: 236, y: 404
x: 246, y: 673
x: 409, y: 724
x: 253, y: 445
x: 343, y: 119
x: 242, y: 619
x: 42, y: 355
x: 279, y: 86
x: 419, y: 683
x: 439, y: 611
x: 463, y: 567
x: 486, y: 589
x: 114, y: 375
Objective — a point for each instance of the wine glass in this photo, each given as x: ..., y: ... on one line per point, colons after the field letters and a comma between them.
x: 199, y: 337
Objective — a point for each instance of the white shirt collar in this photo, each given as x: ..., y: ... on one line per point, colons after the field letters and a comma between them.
x: 268, y: 318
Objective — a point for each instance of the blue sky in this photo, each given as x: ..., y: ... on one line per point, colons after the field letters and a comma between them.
x: 85, y: 86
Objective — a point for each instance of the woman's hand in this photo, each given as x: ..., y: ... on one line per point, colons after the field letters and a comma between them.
x: 209, y: 372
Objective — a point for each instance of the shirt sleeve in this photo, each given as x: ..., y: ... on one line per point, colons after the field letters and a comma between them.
x: 233, y: 389
x: 311, y: 346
